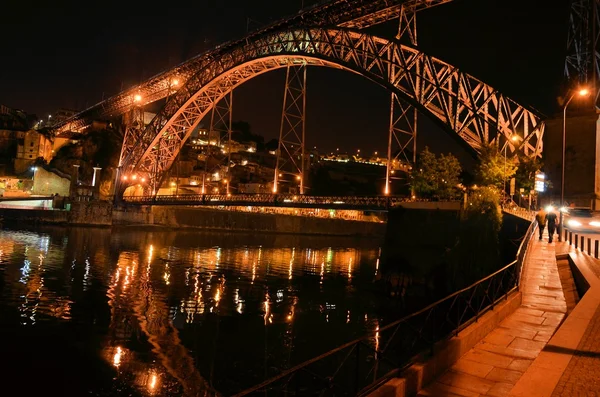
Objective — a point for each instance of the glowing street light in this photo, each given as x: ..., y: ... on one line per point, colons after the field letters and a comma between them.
x: 137, y: 98
x: 583, y: 92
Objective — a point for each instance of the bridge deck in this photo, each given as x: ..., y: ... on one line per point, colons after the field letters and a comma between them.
x: 371, y: 203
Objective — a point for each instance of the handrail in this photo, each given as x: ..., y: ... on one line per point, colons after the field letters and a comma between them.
x: 468, y: 304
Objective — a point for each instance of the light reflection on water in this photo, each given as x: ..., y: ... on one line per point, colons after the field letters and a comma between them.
x: 187, y: 313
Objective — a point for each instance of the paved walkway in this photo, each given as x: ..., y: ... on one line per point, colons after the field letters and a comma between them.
x: 496, y: 363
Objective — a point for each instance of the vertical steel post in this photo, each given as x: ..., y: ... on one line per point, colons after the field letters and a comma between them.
x: 303, y: 157
x: 389, y: 149
x: 292, y: 132
x: 229, y: 133
x: 221, y: 122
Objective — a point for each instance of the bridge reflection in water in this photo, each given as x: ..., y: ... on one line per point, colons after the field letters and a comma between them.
x: 190, y: 313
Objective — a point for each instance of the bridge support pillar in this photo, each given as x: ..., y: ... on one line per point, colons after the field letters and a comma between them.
x: 221, y: 118
x: 133, y: 125
x: 402, y: 138
x: 291, y: 157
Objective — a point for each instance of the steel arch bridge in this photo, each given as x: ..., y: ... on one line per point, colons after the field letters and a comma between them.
x: 462, y: 104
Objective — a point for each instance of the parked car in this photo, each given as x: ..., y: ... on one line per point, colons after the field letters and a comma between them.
x: 582, y: 219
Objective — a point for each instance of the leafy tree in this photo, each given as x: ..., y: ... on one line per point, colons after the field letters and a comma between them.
x: 494, y: 168
x: 436, y: 177
x: 525, y: 174
x: 477, y: 250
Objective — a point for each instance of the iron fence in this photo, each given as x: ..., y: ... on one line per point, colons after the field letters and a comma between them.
x: 360, y: 366
x: 283, y: 200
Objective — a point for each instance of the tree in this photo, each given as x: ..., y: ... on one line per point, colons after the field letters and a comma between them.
x: 525, y: 175
x: 493, y: 168
x: 477, y: 250
x: 436, y: 177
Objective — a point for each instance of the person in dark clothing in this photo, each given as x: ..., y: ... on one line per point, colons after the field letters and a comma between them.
x: 540, y: 217
x: 551, y: 222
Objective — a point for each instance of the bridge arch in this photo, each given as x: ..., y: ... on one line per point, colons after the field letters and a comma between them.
x: 464, y: 105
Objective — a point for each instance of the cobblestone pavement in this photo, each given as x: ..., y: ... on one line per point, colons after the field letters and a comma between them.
x: 582, y: 376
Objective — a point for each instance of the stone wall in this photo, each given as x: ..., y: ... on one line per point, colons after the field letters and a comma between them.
x: 202, y: 218
x: 91, y: 213
x: 34, y: 216
x: 48, y: 183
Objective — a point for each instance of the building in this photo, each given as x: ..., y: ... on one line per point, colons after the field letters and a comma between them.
x: 31, y: 145
x: 254, y: 188
x: 14, y: 125
x: 582, y: 158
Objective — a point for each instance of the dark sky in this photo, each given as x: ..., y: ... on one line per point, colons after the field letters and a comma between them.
x: 70, y: 54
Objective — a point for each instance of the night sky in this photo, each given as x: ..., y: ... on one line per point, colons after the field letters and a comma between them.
x: 71, y: 54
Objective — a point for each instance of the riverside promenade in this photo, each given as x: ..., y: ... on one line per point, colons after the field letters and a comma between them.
x: 550, y: 345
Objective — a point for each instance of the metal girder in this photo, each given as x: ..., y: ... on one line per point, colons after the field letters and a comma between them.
x: 221, y: 119
x: 293, y: 125
x: 375, y: 12
x: 582, y: 64
x: 402, y: 138
x: 464, y: 105
x: 357, y: 14
x: 402, y: 134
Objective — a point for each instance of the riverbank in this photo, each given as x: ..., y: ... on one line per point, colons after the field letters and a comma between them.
x: 104, y: 214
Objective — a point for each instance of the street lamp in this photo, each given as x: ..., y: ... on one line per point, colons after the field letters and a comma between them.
x: 513, y: 138
x: 583, y: 92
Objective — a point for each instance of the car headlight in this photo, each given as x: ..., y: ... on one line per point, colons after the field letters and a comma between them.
x: 595, y: 223
x: 573, y: 222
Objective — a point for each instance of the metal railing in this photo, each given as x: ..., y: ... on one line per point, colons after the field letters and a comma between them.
x: 274, y: 200
x: 362, y: 365
x: 520, y: 212
x: 579, y: 239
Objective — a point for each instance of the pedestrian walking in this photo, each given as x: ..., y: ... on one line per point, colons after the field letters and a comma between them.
x: 551, y: 222
x: 540, y: 217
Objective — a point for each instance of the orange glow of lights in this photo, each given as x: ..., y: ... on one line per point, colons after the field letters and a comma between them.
x: 153, y: 382
x: 175, y: 82
x: 125, y: 177
x: 143, y: 180
x: 137, y: 97
x: 584, y: 92
x: 134, y: 177
x: 117, y: 357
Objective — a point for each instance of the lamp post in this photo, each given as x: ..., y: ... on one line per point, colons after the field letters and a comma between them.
x: 513, y: 138
x: 583, y: 92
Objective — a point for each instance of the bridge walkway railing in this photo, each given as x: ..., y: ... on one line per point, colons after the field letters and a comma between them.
x: 362, y: 365
x: 284, y: 200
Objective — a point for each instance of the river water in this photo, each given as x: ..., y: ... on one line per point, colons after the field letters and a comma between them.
x: 101, y: 312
